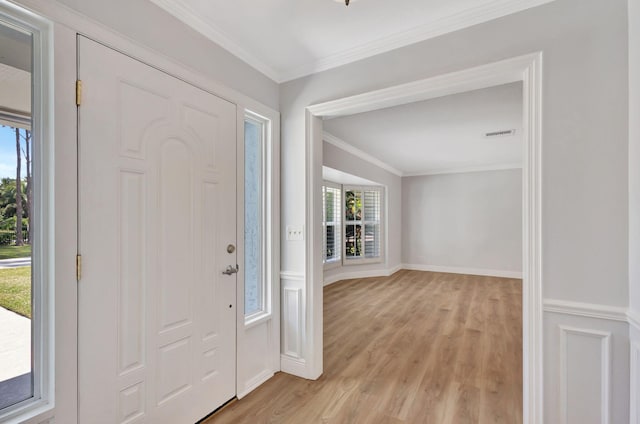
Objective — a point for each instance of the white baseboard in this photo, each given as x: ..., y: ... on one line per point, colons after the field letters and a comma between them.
x: 293, y: 366
x: 588, y: 310
x: 361, y: 274
x: 255, y: 382
x: 463, y: 270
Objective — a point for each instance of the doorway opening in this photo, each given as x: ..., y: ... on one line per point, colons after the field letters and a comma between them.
x: 525, y: 69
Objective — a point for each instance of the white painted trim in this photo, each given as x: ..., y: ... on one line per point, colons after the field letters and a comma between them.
x: 634, y: 319
x: 498, y: 167
x: 343, y: 145
x: 294, y: 366
x: 360, y: 274
x: 292, y: 276
x: 254, y: 383
x: 528, y: 69
x: 605, y: 370
x: 431, y: 29
x: 184, y: 13
x: 464, y: 270
x: 586, y: 310
x: 46, y: 338
x: 634, y: 383
x: 476, y: 78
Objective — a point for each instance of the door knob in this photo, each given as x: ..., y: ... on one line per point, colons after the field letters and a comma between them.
x: 231, y: 270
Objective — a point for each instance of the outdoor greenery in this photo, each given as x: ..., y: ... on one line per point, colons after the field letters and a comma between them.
x: 11, y: 252
x: 15, y: 290
x: 16, y: 195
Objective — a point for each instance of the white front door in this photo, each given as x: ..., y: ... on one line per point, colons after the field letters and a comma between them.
x: 157, y: 194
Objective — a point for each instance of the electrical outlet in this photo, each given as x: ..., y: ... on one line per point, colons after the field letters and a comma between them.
x: 295, y: 233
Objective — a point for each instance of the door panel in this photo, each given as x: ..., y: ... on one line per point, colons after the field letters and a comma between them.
x: 157, y: 209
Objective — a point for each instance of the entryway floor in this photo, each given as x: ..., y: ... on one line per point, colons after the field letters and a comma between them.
x: 416, y: 347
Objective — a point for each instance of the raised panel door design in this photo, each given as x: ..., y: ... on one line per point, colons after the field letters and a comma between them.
x: 157, y: 210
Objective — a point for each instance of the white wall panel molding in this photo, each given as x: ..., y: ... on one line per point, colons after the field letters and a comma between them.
x: 585, y: 356
x: 293, y: 321
x: 588, y: 310
x: 463, y: 270
x: 634, y: 392
x: 291, y: 275
x: 360, y: 274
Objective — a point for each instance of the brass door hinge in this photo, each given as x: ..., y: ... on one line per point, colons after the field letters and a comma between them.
x: 78, y: 92
x: 78, y: 267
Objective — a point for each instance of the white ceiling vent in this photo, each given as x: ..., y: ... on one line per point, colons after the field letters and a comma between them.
x: 503, y: 133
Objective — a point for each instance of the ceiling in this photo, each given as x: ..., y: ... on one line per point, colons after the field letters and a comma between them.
x: 287, y: 39
x: 441, y: 135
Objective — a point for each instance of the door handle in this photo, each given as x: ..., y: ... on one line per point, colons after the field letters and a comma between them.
x: 231, y: 270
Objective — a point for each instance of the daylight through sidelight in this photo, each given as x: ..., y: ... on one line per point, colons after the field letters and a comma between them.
x: 16, y: 206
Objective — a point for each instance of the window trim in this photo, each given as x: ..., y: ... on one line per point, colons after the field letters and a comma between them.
x: 266, y: 312
x: 364, y: 260
x: 336, y: 263
x: 43, y: 237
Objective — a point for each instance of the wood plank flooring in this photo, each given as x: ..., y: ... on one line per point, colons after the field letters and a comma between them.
x: 416, y: 347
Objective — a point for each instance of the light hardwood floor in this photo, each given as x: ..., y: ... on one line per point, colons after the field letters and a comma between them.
x: 416, y: 347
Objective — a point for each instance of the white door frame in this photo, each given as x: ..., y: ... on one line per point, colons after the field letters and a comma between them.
x: 528, y: 69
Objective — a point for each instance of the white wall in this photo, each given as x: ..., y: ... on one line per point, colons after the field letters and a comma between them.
x: 337, y: 158
x: 584, y: 151
x: 149, y: 25
x: 469, y: 221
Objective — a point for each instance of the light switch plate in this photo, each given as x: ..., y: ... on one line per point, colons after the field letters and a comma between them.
x: 295, y: 232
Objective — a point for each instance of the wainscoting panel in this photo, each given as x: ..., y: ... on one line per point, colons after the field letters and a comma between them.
x: 585, y: 375
x: 293, y: 322
x: 635, y: 383
x: 586, y: 364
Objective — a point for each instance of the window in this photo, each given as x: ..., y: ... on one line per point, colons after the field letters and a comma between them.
x: 354, y: 234
x: 256, y: 230
x: 362, y: 224
x: 25, y: 217
x: 331, y: 229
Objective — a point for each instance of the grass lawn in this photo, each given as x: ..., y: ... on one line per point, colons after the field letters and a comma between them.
x: 15, y: 290
x: 10, y: 252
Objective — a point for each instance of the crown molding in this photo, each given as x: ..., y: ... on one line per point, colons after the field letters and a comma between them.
x: 343, y: 145
x: 464, y: 170
x: 433, y: 28
x: 189, y: 17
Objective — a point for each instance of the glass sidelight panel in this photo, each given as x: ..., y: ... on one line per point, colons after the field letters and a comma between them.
x: 254, y: 137
x: 16, y: 212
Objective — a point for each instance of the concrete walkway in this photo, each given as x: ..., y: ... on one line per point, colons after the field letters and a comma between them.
x: 15, y: 263
x: 15, y: 345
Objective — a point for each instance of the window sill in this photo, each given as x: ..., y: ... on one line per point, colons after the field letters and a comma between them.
x: 362, y: 261
x: 256, y: 319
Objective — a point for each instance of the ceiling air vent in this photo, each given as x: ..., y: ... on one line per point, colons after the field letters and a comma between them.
x: 503, y: 133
